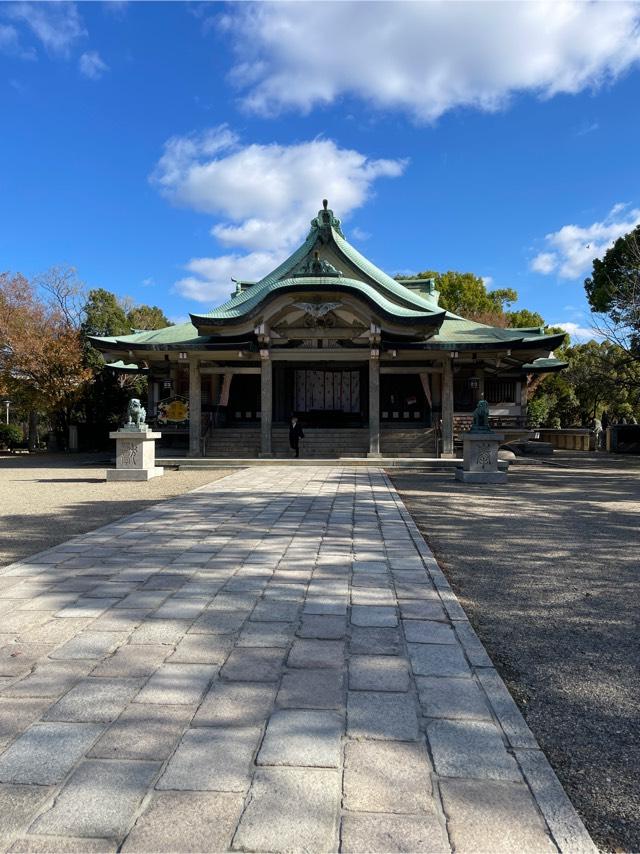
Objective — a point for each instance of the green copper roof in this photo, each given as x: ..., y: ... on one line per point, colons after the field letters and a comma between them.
x: 316, y: 266
x: 182, y: 333
x: 250, y: 300
x: 123, y: 368
x: 379, y: 289
x: 543, y: 366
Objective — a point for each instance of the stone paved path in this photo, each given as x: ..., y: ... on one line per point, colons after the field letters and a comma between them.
x: 273, y: 662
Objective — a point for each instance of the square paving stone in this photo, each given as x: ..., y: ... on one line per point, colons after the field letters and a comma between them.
x: 49, y: 602
x: 99, y: 799
x: 296, y: 737
x: 90, y: 645
x: 266, y: 634
x: 423, y: 592
x: 270, y: 610
x: 166, y: 632
x: 133, y: 661
x: 240, y: 601
x: 18, y: 805
x: 374, y: 596
x: 177, y: 608
x: 203, y: 649
x: 334, y: 606
x: 16, y: 714
x: 421, y: 609
x: 99, y: 700
x: 493, y: 816
x: 186, y: 822
x: 381, y: 716
x: 46, y: 752
x: 17, y: 659
x: 119, y: 620
x: 378, y: 673
x: 322, y: 627
x: 178, y: 684
x: 430, y: 659
x: 428, y: 631
x: 370, y: 566
x: 252, y: 664
x: 218, y: 759
x: 54, y: 631
x: 373, y: 616
x: 471, y: 749
x: 50, y: 679
x: 291, y: 809
x: 219, y: 623
x: 375, y: 641
x: 87, y: 607
x: 143, y: 731
x: 143, y: 599
x: 316, y: 653
x: 442, y: 697
x: 370, y: 833
x: 312, y: 689
x: 35, y: 844
x: 387, y: 776
x: 236, y: 704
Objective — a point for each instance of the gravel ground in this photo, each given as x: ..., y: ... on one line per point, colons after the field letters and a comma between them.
x: 548, y: 571
x: 46, y: 499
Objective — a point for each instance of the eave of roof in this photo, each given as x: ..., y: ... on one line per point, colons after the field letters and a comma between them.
x: 544, y: 366
x: 249, y: 302
x: 124, y: 368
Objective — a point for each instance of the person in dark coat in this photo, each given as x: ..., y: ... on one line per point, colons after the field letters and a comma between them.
x: 295, y: 434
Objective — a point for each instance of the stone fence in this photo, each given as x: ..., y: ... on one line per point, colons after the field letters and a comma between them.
x: 569, y: 439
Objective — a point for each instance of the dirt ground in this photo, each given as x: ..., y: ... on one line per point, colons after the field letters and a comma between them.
x: 47, y: 498
x: 548, y: 571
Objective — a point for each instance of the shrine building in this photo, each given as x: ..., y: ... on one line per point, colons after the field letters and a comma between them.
x: 370, y: 365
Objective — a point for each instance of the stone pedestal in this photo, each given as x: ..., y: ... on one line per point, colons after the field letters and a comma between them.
x: 480, y: 458
x: 135, y: 454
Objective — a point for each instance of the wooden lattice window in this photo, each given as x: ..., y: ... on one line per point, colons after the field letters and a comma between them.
x: 500, y: 391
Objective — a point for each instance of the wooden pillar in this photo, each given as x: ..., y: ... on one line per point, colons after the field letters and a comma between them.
x: 374, y: 404
x: 447, y: 408
x: 195, y: 408
x: 266, y: 403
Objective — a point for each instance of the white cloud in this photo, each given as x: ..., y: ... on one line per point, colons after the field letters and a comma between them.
x: 92, y: 65
x: 263, y: 196
x: 570, y: 250
x: 57, y: 25
x: 487, y: 281
x: 587, y: 128
x: 578, y: 333
x: 544, y: 262
x: 425, y: 58
x: 360, y: 234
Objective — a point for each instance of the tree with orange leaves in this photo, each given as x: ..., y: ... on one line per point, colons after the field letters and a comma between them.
x: 41, y: 355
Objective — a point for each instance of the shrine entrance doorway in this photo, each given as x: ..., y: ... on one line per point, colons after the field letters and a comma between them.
x: 322, y: 396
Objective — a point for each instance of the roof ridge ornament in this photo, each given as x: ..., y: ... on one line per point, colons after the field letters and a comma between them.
x: 325, y: 221
x: 316, y: 266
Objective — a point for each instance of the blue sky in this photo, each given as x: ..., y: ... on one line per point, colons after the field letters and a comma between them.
x: 162, y: 148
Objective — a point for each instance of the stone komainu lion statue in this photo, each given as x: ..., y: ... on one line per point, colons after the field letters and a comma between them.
x: 137, y: 412
x: 481, y: 416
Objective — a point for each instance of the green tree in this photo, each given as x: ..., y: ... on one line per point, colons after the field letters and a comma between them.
x: 522, y: 318
x: 104, y: 314
x: 147, y: 317
x: 599, y: 376
x: 613, y: 291
x: 466, y: 294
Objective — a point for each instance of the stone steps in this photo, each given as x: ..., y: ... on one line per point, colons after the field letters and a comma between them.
x: 325, y: 443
